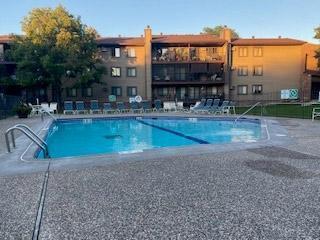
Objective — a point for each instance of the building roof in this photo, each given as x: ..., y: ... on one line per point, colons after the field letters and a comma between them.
x: 133, y: 41
x: 5, y: 38
x: 189, y: 38
x: 267, y: 42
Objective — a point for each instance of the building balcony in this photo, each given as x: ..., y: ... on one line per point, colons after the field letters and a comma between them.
x: 189, y: 79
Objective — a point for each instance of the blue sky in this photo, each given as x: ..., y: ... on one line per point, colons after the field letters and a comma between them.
x: 260, y: 18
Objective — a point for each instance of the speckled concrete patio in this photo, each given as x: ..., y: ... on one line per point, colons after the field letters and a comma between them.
x: 261, y: 192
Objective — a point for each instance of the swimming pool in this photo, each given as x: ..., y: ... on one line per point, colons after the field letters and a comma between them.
x: 83, y: 137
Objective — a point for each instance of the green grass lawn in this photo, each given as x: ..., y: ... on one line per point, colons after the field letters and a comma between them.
x: 281, y: 110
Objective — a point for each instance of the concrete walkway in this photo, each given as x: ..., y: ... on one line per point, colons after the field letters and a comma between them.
x: 270, y: 192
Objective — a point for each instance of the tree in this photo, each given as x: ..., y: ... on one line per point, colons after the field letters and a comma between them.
x: 217, y: 29
x: 55, y: 47
x: 317, y: 36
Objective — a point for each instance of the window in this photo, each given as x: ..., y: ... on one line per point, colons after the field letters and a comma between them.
x: 243, y: 52
x: 117, y: 91
x: 131, y: 52
x: 243, y: 71
x: 116, y: 52
x: 212, y: 91
x: 163, y: 91
x: 115, y: 72
x: 257, y: 52
x: 257, y: 71
x: 256, y: 89
x: 87, y: 92
x: 181, y: 93
x: 131, y: 72
x: 242, y: 89
x: 71, y: 92
x: 132, y: 91
x: 194, y: 92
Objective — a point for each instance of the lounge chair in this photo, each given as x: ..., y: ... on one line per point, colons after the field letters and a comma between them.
x: 215, y: 105
x: 121, y: 108
x: 135, y: 108
x: 146, y: 106
x: 158, y: 106
x: 80, y: 108
x: 223, y: 108
x: 94, y: 107
x: 45, y: 107
x: 68, y: 107
x: 34, y: 110
x: 169, y: 106
x: 179, y: 106
x: 206, y: 107
x: 315, y: 113
x: 107, y: 108
x: 198, y: 105
x: 53, y: 107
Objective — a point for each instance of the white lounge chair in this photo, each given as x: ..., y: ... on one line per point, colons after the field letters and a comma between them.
x: 169, y: 106
x: 45, y: 107
x: 315, y: 113
x: 53, y: 107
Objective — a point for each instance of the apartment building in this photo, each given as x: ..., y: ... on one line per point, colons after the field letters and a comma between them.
x: 191, y: 67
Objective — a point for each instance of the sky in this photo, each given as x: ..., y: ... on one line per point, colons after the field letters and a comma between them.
x: 259, y: 18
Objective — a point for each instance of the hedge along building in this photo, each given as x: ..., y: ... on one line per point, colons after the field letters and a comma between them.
x: 190, y: 67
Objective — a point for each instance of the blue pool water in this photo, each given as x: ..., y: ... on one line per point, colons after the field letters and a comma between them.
x: 67, y: 138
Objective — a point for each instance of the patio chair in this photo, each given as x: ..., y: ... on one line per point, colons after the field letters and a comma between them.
x: 206, y: 107
x: 315, y: 113
x: 45, y: 107
x: 158, y: 106
x: 179, y: 107
x: 223, y: 108
x: 34, y: 110
x: 94, y: 107
x: 198, y: 105
x: 231, y: 108
x: 146, y: 106
x: 53, y: 107
x: 135, y: 108
x: 68, y: 107
x: 107, y: 108
x: 215, y: 105
x: 121, y: 108
x: 80, y: 108
x: 169, y: 106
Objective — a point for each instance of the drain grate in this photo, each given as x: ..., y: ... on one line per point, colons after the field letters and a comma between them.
x: 279, y: 169
x: 278, y: 152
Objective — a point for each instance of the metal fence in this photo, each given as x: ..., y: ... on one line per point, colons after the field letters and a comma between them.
x: 7, y: 104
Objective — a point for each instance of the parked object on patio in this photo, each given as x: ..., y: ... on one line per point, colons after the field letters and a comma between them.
x: 135, y: 108
x: 206, y: 107
x: 169, y: 106
x: 223, y: 108
x: 53, y: 107
x: 80, y: 108
x: 45, y: 107
x: 198, y: 105
x: 107, y: 108
x: 35, y: 109
x: 158, y: 106
x: 68, y: 107
x: 179, y: 106
x: 94, y: 107
x: 315, y: 113
x: 121, y: 108
x: 146, y: 106
x: 215, y: 105
x: 230, y: 109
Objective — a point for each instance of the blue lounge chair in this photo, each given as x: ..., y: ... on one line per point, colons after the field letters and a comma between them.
x: 222, y: 109
x: 215, y: 105
x: 68, y: 107
x: 206, y: 107
x: 146, y: 106
x: 199, y: 106
x: 94, y: 107
x: 158, y: 106
x: 135, y: 108
x: 107, y: 108
x: 80, y: 108
x: 121, y: 108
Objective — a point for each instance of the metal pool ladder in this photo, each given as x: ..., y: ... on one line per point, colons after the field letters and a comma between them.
x: 30, y: 134
x: 252, y: 107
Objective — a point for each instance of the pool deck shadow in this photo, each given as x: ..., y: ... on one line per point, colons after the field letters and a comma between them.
x: 267, y: 190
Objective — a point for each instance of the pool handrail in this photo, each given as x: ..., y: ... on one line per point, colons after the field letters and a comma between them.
x: 248, y: 110
x: 30, y: 134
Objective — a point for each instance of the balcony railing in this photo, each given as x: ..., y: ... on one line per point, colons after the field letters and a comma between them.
x: 191, y: 77
x: 168, y: 55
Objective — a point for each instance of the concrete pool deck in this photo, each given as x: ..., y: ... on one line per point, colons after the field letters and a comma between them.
x: 267, y: 191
